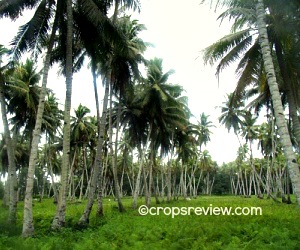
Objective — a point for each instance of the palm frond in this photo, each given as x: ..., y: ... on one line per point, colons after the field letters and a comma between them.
x: 33, y: 34
x: 233, y: 54
x: 14, y: 8
x: 217, y: 50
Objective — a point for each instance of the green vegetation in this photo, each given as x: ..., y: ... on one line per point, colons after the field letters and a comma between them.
x: 276, y: 228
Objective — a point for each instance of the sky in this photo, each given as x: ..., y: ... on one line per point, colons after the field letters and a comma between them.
x: 179, y: 33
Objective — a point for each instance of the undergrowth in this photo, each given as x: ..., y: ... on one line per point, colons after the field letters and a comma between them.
x: 277, y: 228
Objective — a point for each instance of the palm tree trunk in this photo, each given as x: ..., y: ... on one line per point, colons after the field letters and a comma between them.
x: 293, y: 167
x: 146, y: 194
x: 28, y: 228
x: 169, y: 181
x: 169, y: 172
x: 59, y: 218
x: 163, y: 182
x: 112, y: 154
x: 151, y: 164
x: 55, y: 196
x: 129, y: 181
x: 251, y: 176
x: 199, y: 180
x: 12, y: 175
x: 71, y: 173
x: 138, y: 178
x: 84, y: 219
x: 246, y: 183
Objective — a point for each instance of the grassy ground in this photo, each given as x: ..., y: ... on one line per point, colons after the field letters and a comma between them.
x: 277, y: 228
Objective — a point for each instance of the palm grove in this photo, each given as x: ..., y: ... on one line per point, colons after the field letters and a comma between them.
x: 141, y: 142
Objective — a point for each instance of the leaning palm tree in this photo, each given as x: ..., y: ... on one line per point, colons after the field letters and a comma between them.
x: 283, y: 131
x: 243, y: 45
x: 234, y: 46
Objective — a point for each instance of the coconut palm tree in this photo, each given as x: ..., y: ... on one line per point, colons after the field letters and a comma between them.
x: 203, y: 126
x: 23, y: 88
x: 283, y: 131
x: 232, y: 114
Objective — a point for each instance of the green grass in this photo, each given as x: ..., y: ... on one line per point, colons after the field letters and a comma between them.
x: 277, y: 228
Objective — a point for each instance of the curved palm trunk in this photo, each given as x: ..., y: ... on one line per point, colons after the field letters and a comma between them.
x: 12, y: 177
x: 293, y: 167
x: 28, y: 228
x: 59, y: 218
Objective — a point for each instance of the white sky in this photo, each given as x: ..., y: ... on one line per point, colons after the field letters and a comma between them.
x: 179, y: 32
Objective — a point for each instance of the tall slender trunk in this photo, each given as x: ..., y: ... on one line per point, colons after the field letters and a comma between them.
x: 146, y: 194
x: 199, y: 180
x: 55, y: 196
x: 292, y: 164
x: 59, y: 218
x: 138, y: 178
x: 71, y: 173
x: 122, y: 181
x: 12, y: 175
x: 103, y: 186
x: 28, y: 228
x: 246, y: 183
x: 150, y: 186
x: 169, y: 172
x: 169, y: 181
x: 113, y: 155
x: 84, y: 219
x: 251, y: 176
x: 163, y: 183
